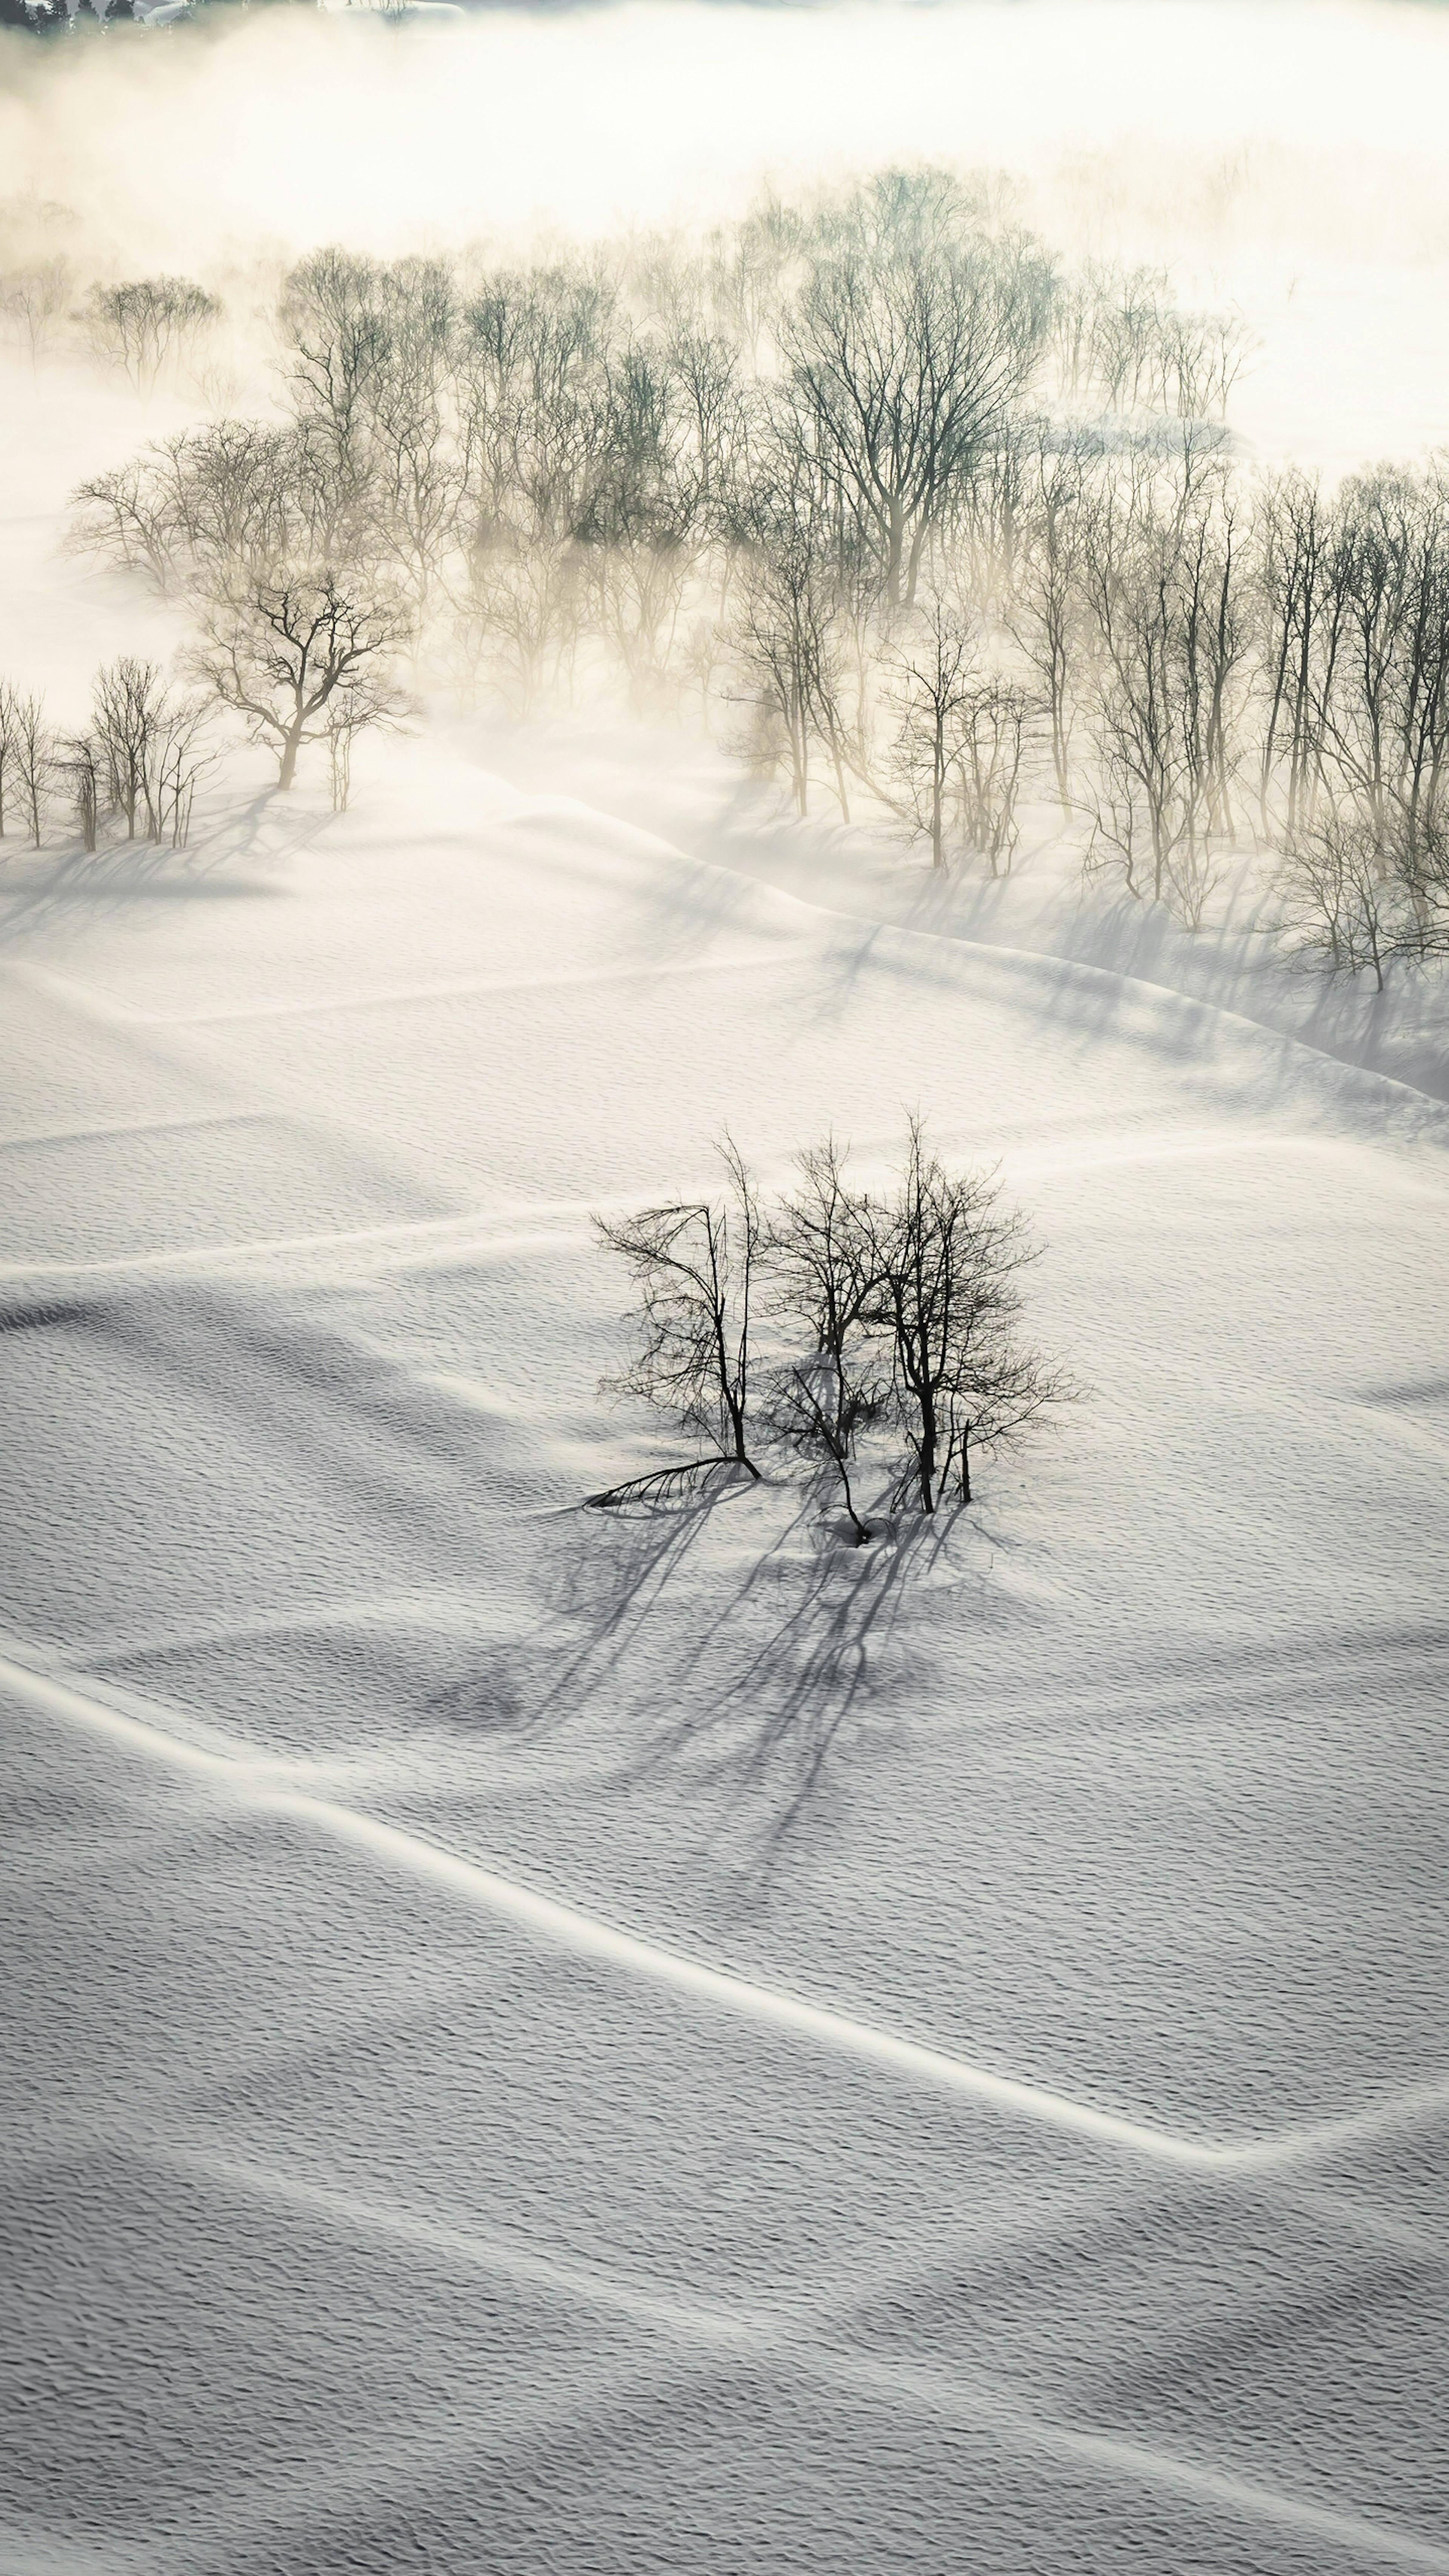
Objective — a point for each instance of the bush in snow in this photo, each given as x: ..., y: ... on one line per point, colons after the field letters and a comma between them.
x: 860, y: 1333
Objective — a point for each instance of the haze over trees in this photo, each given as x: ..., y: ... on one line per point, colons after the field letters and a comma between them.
x: 918, y: 516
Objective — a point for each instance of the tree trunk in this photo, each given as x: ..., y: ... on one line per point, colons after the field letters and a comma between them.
x: 287, y: 771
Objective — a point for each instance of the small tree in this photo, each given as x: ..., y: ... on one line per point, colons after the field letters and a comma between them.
x: 282, y: 653
x: 994, y: 722
x: 32, y: 751
x: 823, y: 1402
x: 8, y: 764
x: 128, y: 713
x: 37, y: 298
x: 1343, y: 903
x: 183, y: 755
x: 694, y: 1267
x: 349, y: 713
x: 931, y: 693
x: 944, y: 1258
x: 81, y: 764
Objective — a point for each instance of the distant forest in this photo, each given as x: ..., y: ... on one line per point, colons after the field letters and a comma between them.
x: 898, y: 503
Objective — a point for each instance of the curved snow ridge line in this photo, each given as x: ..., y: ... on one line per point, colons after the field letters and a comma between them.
x: 1164, y: 2469
x: 402, y: 1243
x: 801, y: 2342
x: 1067, y: 969
x: 480, y: 987
x: 265, y: 1788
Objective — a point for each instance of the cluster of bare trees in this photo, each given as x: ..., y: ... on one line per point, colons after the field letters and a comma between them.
x: 915, y: 515
x: 137, y: 762
x: 869, y: 1335
x: 741, y: 470
x: 146, y: 325
x: 151, y: 330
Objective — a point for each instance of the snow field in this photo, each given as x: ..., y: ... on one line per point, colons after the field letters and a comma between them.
x: 362, y: 1785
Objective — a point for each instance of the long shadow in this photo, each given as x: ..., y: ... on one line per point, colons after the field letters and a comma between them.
x: 816, y: 1667
x: 122, y: 873
x: 609, y: 1582
x: 761, y: 1723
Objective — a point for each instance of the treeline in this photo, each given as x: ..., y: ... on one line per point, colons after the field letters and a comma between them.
x: 53, y: 18
x: 909, y: 512
x: 859, y: 1333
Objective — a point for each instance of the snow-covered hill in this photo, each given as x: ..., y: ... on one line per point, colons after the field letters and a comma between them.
x: 671, y: 2044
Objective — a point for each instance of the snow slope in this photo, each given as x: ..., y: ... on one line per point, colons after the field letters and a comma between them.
x: 541, y: 2043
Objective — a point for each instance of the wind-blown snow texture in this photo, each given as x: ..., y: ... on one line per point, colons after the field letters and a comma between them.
x: 544, y: 2044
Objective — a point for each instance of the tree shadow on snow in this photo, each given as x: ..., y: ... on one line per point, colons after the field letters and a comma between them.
x: 822, y: 1652
x: 792, y: 1648
x: 41, y: 886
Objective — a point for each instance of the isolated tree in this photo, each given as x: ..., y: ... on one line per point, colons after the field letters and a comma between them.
x: 694, y: 1265
x: 945, y: 1257
x: 281, y: 653
x: 825, y: 1398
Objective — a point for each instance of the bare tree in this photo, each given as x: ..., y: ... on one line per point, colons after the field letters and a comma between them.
x: 9, y: 721
x: 81, y: 763
x: 995, y: 719
x: 824, y: 1400
x: 912, y: 334
x: 1164, y: 579
x: 129, y: 702
x: 930, y: 692
x: 694, y: 1266
x: 143, y: 325
x: 786, y: 637
x: 37, y: 300
x: 1045, y: 617
x: 1343, y: 902
x: 182, y: 753
x: 279, y: 655
x: 32, y: 753
x: 945, y: 1257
